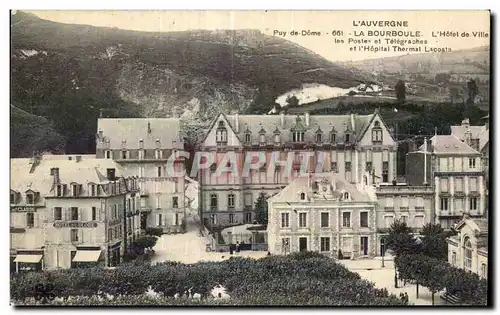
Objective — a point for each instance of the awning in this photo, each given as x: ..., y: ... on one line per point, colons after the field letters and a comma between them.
x: 87, y: 255
x: 32, y: 259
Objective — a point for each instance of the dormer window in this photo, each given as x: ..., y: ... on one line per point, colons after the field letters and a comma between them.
x: 302, y: 196
x: 319, y: 138
x: 377, y: 133
x: 30, y: 198
x: 347, y: 138
x: 345, y: 195
x: 92, y: 190
x: 140, y: 154
x: 75, y: 190
x: 107, y: 154
x: 221, y: 133
x: 247, y: 138
x: 141, y: 143
x: 124, y: 154
x: 158, y: 154
x: 333, y: 137
x: 59, y: 191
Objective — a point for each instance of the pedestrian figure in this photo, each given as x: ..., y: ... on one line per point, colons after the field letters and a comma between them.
x: 237, y: 247
x: 268, y: 253
x: 406, y: 298
x: 230, y: 249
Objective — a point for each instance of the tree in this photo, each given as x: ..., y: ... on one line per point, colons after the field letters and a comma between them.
x: 434, y: 241
x: 261, y: 209
x: 154, y: 231
x: 292, y: 100
x: 400, y: 91
x: 400, y: 240
x: 472, y: 90
x: 442, y: 78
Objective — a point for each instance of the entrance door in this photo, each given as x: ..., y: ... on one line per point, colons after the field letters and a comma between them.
x: 302, y: 244
x: 364, y: 245
x: 382, y: 246
x: 144, y: 221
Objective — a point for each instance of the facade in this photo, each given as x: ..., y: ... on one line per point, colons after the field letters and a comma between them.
x: 324, y: 215
x: 348, y: 145
x: 469, y: 248
x: 411, y: 204
x: 65, y: 212
x: 147, y: 148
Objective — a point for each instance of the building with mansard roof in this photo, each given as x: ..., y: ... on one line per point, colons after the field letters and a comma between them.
x: 142, y: 147
x: 347, y: 145
x: 324, y: 214
x: 69, y: 210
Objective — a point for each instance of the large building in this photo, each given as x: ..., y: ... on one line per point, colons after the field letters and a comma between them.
x: 325, y: 214
x: 68, y: 210
x: 147, y: 148
x: 348, y: 145
x: 469, y: 248
x: 454, y: 169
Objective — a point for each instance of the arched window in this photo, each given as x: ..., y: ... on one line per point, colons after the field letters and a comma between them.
x: 377, y: 133
x: 302, y: 196
x: 345, y: 195
x: 467, y: 253
x: 221, y: 133
x: 247, y: 138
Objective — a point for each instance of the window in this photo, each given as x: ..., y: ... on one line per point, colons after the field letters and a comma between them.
x: 124, y: 154
x: 347, y: 137
x: 298, y: 136
x: 92, y: 190
x: 176, y: 219
x: 468, y: 253
x: 158, y: 202
x: 115, y: 211
x: 158, y: 154
x: 325, y: 244
x: 388, y: 221
x: 369, y: 166
x: 248, y: 200
x: 213, y: 201
x: 175, y: 202
x: 404, y: 219
x: 285, y: 243
x: 231, y: 218
x: 247, y: 138
x: 472, y: 163
x: 108, y: 154
x: 347, y: 166
x: 74, y: 235
x: 140, y: 154
x: 334, y: 167
x: 230, y: 201
x: 319, y: 138
x: 160, y: 219
x: 473, y: 203
x: 459, y: 205
x: 74, y: 213
x: 285, y: 220
x: 473, y: 184
x: 94, y: 213
x: 262, y: 139
x: 363, y: 219
x: 57, y: 213
x: 444, y: 204
x: 159, y: 171
x: 444, y: 184
x: 333, y: 137
x: 59, y: 191
x: 385, y: 172
x: 377, y: 135
x: 277, y: 139
x: 459, y: 184
x: 75, y: 190
x: 302, y: 219
x: 346, y: 219
x: 302, y: 196
x: 221, y: 133
x: 325, y: 219
x: 248, y: 217
x: 419, y: 202
x: 453, y: 258
x: 484, y: 270
x: 30, y: 219
x: 12, y: 198
x: 345, y: 195
x: 30, y: 198
x: 404, y: 202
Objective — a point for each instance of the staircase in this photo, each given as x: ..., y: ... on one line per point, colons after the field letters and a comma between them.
x: 451, y: 299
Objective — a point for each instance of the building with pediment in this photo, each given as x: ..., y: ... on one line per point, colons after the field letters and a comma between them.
x: 323, y: 214
x: 347, y: 145
x: 70, y: 210
x: 469, y: 248
x: 147, y: 148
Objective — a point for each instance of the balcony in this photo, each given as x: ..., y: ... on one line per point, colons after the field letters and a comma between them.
x: 404, y: 208
x: 419, y: 208
x: 389, y: 209
x: 145, y: 209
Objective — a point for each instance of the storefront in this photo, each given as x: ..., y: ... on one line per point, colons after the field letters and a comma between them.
x: 28, y: 260
x: 114, y: 254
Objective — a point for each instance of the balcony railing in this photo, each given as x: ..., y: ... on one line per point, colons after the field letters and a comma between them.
x: 389, y: 208
x: 419, y: 208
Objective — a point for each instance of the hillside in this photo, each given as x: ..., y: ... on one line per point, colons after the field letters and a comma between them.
x: 69, y: 73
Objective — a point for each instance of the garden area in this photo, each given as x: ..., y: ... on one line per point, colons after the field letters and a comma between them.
x: 298, y: 279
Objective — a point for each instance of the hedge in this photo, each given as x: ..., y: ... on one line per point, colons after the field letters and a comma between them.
x: 436, y: 275
x: 300, y: 279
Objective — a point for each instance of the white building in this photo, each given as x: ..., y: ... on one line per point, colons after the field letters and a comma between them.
x: 143, y: 147
x: 324, y: 215
x: 469, y: 249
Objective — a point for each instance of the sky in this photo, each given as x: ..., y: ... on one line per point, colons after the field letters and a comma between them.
x: 325, y: 22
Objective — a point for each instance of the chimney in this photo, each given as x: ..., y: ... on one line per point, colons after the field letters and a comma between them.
x: 282, y: 117
x: 236, y: 123
x: 468, y: 136
x: 149, y: 127
x: 307, y: 119
x: 78, y: 158
x: 55, y: 173
x: 425, y: 161
x: 110, y: 174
